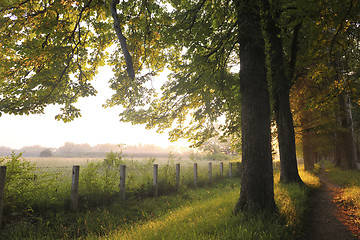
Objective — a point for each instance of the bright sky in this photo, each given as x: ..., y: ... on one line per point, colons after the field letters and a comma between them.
x: 96, y: 126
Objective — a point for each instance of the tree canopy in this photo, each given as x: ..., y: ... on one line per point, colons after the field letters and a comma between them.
x: 201, y: 48
x: 326, y: 91
x: 51, y: 50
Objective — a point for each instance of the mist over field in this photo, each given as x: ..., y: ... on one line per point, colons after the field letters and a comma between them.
x: 69, y: 150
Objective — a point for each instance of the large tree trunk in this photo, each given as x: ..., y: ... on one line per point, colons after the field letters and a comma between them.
x: 308, y: 151
x: 257, y: 187
x: 357, y: 147
x: 337, y: 155
x: 280, y: 89
x: 346, y: 136
x: 286, y: 137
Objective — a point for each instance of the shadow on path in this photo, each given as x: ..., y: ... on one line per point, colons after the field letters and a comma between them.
x: 324, y: 218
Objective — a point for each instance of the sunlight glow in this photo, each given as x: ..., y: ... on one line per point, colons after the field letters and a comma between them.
x: 96, y: 126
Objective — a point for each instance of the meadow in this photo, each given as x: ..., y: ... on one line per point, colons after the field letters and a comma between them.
x: 37, y: 206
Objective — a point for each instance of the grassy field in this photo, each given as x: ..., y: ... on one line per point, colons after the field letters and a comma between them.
x: 139, y: 170
x: 57, y: 162
x: 208, y: 215
x: 38, y: 184
x: 203, y: 213
x: 60, y: 162
x: 38, y: 207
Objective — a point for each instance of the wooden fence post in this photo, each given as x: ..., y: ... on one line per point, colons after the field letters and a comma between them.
x: 122, y: 181
x: 155, y: 180
x: 2, y: 189
x: 195, y: 175
x: 210, y: 173
x: 75, y: 187
x: 177, y: 175
x: 221, y: 169
x: 230, y: 169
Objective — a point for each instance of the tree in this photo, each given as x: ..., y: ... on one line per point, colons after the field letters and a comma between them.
x: 257, y: 191
x: 218, y: 149
x: 32, y: 151
x: 342, y: 72
x: 328, y: 66
x: 5, y: 151
x: 50, y: 50
x: 207, y: 39
x: 280, y: 82
x: 201, y: 42
x: 202, y: 88
x: 46, y: 153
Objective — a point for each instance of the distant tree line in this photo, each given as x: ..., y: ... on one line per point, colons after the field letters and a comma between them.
x: 70, y: 149
x: 213, y: 149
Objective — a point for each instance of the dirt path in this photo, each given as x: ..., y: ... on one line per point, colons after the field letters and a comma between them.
x: 325, y: 219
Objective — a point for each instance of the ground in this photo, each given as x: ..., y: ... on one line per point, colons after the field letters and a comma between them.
x: 328, y: 220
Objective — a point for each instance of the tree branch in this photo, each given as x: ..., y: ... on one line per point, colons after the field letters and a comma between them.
x: 339, y: 28
x: 294, y: 51
x: 122, y: 39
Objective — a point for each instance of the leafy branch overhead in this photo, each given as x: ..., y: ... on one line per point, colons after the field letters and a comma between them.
x: 227, y: 60
x: 51, y: 50
x: 122, y: 39
x: 46, y: 56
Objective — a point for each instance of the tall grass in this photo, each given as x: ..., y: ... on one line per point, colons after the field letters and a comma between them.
x: 31, y: 189
x: 201, y: 213
x: 186, y: 213
x: 207, y: 214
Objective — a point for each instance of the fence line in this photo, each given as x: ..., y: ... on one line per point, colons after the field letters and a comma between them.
x: 122, y: 181
x: 221, y: 169
x: 230, y: 169
x: 2, y: 189
x: 210, y: 173
x: 75, y: 187
x: 74, y: 196
x: 195, y: 174
x: 155, y: 180
x: 177, y: 172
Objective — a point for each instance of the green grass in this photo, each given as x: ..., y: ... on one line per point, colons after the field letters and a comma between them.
x: 349, y: 180
x: 45, y: 186
x: 207, y: 214
x: 201, y: 213
x: 341, y: 176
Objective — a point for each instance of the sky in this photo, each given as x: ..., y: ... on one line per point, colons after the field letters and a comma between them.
x: 96, y: 126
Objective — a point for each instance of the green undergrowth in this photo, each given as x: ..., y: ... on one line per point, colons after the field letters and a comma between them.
x: 201, y: 213
x: 340, y: 176
x: 211, y: 217
x: 33, y: 190
x: 349, y: 180
x: 189, y: 213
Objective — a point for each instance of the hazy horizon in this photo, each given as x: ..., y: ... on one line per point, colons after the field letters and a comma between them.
x: 94, y: 145
x: 96, y: 126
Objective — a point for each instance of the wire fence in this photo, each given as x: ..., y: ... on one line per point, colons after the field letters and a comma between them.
x: 95, y: 182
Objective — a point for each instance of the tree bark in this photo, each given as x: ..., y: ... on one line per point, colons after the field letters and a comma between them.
x: 257, y: 188
x: 346, y: 139
x: 286, y: 138
x: 308, y: 151
x: 280, y: 90
x: 122, y: 40
x: 357, y: 146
